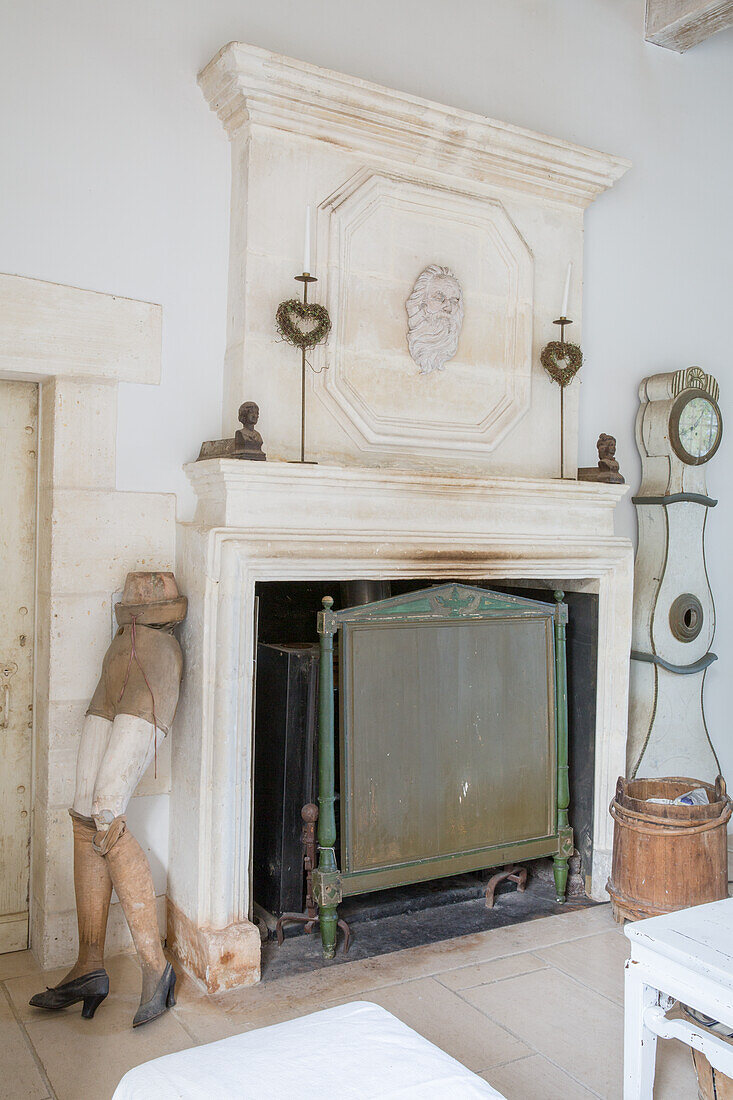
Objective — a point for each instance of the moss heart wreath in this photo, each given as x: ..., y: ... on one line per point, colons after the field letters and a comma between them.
x: 561, y: 361
x: 290, y: 317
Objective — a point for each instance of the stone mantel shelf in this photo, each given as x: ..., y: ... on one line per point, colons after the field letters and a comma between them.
x: 259, y: 497
x: 246, y: 85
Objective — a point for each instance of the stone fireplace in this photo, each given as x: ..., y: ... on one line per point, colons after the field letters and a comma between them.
x: 281, y: 521
x: 446, y: 473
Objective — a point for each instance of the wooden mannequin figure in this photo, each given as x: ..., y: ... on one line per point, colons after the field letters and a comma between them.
x: 130, y: 713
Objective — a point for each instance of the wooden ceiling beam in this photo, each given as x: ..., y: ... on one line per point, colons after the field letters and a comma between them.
x: 679, y: 24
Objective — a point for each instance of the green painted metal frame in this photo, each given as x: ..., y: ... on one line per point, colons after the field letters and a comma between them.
x: 444, y: 603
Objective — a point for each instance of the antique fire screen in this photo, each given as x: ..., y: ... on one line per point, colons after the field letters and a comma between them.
x: 453, y: 740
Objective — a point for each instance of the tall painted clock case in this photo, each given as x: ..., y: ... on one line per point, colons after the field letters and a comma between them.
x: 678, y: 430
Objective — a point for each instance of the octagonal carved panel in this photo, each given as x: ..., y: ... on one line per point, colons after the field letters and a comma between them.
x: 378, y: 232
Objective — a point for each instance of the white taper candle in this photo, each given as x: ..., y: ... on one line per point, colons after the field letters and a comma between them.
x: 307, y: 243
x: 566, y: 295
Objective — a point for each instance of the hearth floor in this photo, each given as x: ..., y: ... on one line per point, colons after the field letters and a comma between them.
x: 535, y: 1008
x: 458, y: 909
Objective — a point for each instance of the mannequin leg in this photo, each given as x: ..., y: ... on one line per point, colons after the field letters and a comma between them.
x: 92, y: 882
x: 130, y: 752
x: 93, y: 889
x: 95, y: 735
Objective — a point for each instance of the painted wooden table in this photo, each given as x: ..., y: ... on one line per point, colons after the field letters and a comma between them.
x: 685, y: 956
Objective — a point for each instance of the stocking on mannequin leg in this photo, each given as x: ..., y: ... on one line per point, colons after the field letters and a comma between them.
x: 131, y: 750
x: 87, y: 980
x: 92, y: 882
x: 133, y: 882
x: 93, y: 889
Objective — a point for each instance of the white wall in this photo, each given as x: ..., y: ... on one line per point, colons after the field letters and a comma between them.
x: 114, y: 175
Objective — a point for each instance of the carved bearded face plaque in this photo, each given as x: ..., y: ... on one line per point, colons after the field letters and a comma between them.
x: 434, y: 318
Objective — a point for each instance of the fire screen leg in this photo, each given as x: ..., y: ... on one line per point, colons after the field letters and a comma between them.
x: 310, y: 918
x: 564, y: 832
x: 326, y: 879
x: 560, y: 871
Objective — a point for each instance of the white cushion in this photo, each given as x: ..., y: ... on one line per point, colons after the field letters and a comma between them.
x: 352, y: 1052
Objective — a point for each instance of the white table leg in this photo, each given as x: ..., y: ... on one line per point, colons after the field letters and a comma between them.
x: 640, y: 1044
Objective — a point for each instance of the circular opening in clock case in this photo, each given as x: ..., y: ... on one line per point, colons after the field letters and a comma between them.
x: 695, y: 427
x: 686, y: 617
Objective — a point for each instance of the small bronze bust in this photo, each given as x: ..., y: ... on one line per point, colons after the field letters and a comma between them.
x: 607, y: 453
x: 607, y: 469
x: 247, y: 440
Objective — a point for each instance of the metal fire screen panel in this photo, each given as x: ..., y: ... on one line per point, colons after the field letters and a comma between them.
x: 453, y: 738
x: 448, y: 739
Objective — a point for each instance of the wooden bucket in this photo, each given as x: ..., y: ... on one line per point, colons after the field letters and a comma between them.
x: 667, y: 857
x: 711, y: 1083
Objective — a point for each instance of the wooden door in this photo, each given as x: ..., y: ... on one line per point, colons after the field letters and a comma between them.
x: 18, y: 465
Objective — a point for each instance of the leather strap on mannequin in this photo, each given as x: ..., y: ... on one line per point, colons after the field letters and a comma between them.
x: 108, y: 835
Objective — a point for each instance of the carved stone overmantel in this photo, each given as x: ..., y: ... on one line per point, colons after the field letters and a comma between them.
x: 396, y: 184
x: 280, y: 521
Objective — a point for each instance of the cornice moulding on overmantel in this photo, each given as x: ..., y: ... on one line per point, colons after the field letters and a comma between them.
x: 246, y: 85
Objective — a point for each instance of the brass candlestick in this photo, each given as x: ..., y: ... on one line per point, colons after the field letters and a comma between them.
x: 287, y: 317
x: 305, y: 278
x: 562, y: 362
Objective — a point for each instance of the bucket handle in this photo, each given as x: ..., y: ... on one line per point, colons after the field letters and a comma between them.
x: 656, y: 827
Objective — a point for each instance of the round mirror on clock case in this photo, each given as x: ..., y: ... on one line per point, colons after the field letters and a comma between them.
x: 695, y: 428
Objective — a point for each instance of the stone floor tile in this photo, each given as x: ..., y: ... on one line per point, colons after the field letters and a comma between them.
x: 124, y: 977
x: 189, y: 990
x: 536, y: 1008
x: 465, y: 977
x: 533, y: 1077
x: 675, y: 1078
x: 572, y: 1026
x: 581, y: 922
x: 19, y: 1075
x: 356, y: 980
x: 197, y: 1013
x: 16, y: 963
x: 85, y: 1059
x: 260, y: 1001
x: 529, y: 936
x: 494, y: 943
x: 448, y: 1021
x: 206, y: 1024
x: 597, y: 962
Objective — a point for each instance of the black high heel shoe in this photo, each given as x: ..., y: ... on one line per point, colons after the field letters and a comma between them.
x: 163, y: 998
x: 90, y: 988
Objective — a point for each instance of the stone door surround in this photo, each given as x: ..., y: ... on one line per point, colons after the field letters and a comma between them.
x: 78, y: 345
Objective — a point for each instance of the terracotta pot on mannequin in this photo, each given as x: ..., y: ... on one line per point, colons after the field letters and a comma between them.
x: 130, y: 712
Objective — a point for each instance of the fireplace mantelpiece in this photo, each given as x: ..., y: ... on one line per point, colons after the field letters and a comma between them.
x: 281, y: 521
x: 397, y: 183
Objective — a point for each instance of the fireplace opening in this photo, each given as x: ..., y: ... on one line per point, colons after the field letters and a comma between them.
x: 285, y: 770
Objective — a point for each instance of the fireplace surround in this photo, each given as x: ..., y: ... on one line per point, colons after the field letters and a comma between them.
x: 284, y: 521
